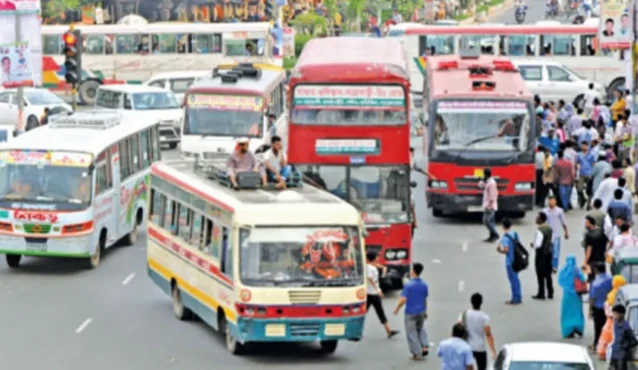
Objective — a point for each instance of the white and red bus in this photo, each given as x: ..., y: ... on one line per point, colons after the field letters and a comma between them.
x: 75, y: 187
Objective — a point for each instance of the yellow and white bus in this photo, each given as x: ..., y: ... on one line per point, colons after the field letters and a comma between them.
x: 76, y: 186
x: 257, y: 265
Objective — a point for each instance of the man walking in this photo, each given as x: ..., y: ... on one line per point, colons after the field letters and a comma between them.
x: 415, y: 298
x: 597, y: 297
x: 477, y: 324
x: 555, y: 220
x: 624, y: 340
x: 595, y: 243
x: 566, y: 177
x: 490, y: 204
x: 508, y: 248
x: 585, y: 165
x: 375, y: 294
x: 455, y: 353
x: 543, y: 259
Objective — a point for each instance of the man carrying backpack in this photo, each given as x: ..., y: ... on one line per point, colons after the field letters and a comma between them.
x: 513, y: 264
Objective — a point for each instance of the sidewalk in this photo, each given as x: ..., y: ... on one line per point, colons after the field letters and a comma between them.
x: 493, y: 11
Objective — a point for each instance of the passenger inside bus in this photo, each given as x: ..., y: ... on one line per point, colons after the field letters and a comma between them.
x: 82, y: 191
x: 21, y: 188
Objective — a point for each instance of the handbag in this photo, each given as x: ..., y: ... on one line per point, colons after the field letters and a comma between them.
x: 579, y: 285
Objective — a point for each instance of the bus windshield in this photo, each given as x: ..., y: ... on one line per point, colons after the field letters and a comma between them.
x: 223, y: 115
x: 155, y: 100
x: 55, y: 178
x: 382, y: 193
x: 481, y: 125
x: 301, y: 256
x: 349, y: 105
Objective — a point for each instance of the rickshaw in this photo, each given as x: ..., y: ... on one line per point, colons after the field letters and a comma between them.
x: 625, y: 263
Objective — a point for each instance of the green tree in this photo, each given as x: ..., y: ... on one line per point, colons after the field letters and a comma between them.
x: 354, y: 10
x: 310, y: 24
x: 52, y: 8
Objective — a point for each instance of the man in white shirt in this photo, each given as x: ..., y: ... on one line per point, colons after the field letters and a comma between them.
x: 479, y: 333
x: 374, y: 293
x: 626, y: 197
x: 276, y: 163
x: 605, y: 191
x: 624, y: 239
x: 589, y: 96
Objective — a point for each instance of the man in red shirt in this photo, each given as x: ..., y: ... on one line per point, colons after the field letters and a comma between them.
x: 7, y: 5
x: 566, y: 175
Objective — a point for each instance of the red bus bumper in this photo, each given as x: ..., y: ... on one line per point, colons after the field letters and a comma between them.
x: 463, y: 203
x: 393, y: 246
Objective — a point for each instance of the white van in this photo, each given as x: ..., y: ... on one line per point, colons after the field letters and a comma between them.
x: 178, y: 82
x: 555, y: 81
x: 146, y: 101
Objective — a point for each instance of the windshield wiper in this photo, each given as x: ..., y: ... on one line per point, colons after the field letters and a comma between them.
x: 331, y: 283
x: 470, y: 143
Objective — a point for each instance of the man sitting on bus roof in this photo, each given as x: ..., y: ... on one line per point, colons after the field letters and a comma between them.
x: 276, y: 163
x: 242, y: 160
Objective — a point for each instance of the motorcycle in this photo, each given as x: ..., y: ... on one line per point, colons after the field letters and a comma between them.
x: 551, y: 11
x: 520, y: 13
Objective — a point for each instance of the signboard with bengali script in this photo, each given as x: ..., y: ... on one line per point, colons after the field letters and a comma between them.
x: 45, y: 158
x: 478, y: 106
x: 225, y: 102
x: 349, y: 97
x: 19, y: 6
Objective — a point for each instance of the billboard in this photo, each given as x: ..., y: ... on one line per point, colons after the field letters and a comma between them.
x: 31, y: 33
x: 16, y: 69
x: 615, y: 29
x: 19, y: 6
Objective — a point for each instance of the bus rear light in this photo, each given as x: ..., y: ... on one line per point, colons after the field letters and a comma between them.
x: 5, y: 226
x: 354, y: 309
x: 444, y: 66
x: 77, y: 228
x: 504, y: 66
x: 483, y: 85
x: 250, y: 311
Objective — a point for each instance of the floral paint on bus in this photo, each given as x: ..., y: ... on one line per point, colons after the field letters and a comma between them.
x: 131, y: 196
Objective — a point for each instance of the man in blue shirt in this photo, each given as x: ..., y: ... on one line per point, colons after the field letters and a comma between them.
x: 618, y: 207
x: 585, y: 165
x: 624, y: 340
x: 415, y: 298
x: 600, y: 288
x: 550, y: 141
x: 455, y: 353
x: 507, y: 247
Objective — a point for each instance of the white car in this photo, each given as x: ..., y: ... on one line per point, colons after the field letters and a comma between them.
x: 554, y: 81
x: 35, y: 101
x: 543, y: 355
x: 178, y: 82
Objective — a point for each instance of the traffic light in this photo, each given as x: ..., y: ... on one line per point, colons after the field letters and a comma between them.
x: 269, y: 10
x: 73, y: 56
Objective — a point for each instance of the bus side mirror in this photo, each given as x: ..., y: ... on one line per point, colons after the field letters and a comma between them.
x: 413, y: 184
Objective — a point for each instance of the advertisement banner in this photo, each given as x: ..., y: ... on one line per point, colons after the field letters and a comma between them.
x: 16, y: 65
x: 45, y: 158
x: 289, y: 42
x: 19, y: 6
x: 349, y: 97
x: 347, y: 146
x: 31, y: 32
x: 615, y: 30
x: 481, y: 106
x: 225, y: 102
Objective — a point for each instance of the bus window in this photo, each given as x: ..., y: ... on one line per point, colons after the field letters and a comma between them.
x: 239, y: 48
x: 587, y: 45
x: 109, y: 44
x: 157, y: 200
x: 93, y: 44
x: 487, y: 44
x: 145, y: 148
x: 182, y: 43
x: 227, y: 253
x: 184, y: 225
x: 557, y: 45
x: 169, y: 216
x: 197, y: 235
x: 436, y: 45
x: 126, y: 44
x: 165, y: 44
x: 52, y: 44
x: 207, y: 43
x: 520, y: 45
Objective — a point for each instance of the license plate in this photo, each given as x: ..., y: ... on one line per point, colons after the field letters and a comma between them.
x: 37, y: 247
x: 162, y: 138
x: 475, y: 209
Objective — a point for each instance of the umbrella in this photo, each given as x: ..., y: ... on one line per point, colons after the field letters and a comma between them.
x: 132, y: 19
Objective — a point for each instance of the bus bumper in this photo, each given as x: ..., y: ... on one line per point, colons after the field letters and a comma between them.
x: 299, y: 330
x: 77, y: 247
x: 394, y: 277
x: 461, y: 203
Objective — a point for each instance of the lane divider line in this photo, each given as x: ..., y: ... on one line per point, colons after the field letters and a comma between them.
x: 461, y: 286
x: 128, y: 279
x: 83, y: 326
x: 464, y: 247
x: 436, y: 261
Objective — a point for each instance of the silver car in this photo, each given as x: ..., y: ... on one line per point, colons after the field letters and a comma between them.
x: 543, y: 355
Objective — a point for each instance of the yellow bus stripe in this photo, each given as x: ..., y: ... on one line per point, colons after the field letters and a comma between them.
x: 191, y: 290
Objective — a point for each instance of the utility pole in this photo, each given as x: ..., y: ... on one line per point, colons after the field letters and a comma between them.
x: 20, y: 126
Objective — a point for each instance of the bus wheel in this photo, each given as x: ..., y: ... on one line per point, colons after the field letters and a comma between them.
x: 328, y: 346
x: 131, y: 238
x: 232, y: 345
x: 94, y: 260
x: 518, y: 215
x: 13, y: 260
x: 180, y: 311
x: 437, y: 212
x: 172, y: 145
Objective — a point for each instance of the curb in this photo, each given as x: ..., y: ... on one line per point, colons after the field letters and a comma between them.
x: 493, y: 11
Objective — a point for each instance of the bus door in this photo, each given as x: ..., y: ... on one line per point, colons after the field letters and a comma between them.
x: 107, y: 191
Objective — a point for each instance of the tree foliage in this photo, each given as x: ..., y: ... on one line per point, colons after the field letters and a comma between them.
x: 310, y: 23
x: 52, y: 8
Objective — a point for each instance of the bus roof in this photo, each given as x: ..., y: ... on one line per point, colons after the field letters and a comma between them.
x: 133, y: 88
x: 455, y: 81
x: 267, y: 82
x: 346, y: 57
x: 79, y: 139
x: 160, y: 28
x: 503, y: 30
x: 294, y: 206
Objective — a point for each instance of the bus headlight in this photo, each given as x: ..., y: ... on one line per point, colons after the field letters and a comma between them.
x: 434, y: 184
x: 523, y: 186
x: 390, y: 255
x: 402, y: 254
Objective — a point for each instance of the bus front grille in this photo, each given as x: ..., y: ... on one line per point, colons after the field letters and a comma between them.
x: 471, y: 183
x: 306, y: 329
x: 304, y: 296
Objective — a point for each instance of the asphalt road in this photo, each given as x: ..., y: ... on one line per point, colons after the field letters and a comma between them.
x: 55, y: 315
x: 535, y: 13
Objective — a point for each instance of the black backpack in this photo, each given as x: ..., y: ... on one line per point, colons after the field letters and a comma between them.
x: 521, y: 256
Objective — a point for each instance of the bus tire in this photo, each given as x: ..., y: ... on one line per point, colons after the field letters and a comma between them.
x: 13, y: 260
x: 436, y: 212
x: 232, y: 345
x: 328, y: 346
x: 131, y: 238
x: 94, y: 260
x: 180, y: 311
x: 87, y: 91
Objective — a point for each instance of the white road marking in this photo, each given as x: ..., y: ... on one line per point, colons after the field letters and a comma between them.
x: 464, y: 247
x: 461, y: 286
x: 436, y: 261
x: 83, y: 326
x: 128, y: 279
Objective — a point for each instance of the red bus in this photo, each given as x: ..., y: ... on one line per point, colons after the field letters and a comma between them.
x: 349, y: 133
x: 480, y: 114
